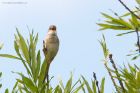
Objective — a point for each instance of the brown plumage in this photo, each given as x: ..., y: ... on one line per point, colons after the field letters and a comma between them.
x: 51, y: 43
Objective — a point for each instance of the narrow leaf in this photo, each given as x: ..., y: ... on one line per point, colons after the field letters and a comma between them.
x: 102, y: 85
x: 87, y: 85
x: 9, y: 56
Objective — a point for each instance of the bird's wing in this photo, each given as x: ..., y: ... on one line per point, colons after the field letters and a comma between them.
x: 44, y: 48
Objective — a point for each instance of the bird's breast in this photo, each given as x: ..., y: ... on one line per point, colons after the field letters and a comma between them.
x: 52, y: 43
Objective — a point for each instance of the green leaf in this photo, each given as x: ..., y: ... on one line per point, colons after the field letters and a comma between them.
x: 0, y: 74
x: 32, y: 54
x: 138, y: 1
x: 68, y: 87
x: 6, y: 91
x: 1, y: 45
x: 125, y: 33
x: 128, y: 13
x: 78, y: 88
x: 36, y: 39
x: 102, y: 85
x: 138, y: 78
x: 94, y: 86
x: 104, y: 47
x: 15, y: 86
x: 107, y: 16
x: 114, y: 27
x: 117, y: 21
x: 132, y: 69
x: 61, y: 84
x: 83, y: 89
x: 28, y: 82
x: 134, y: 21
x: 38, y: 65
x: 20, y: 81
x: 42, y: 72
x: 9, y: 56
x: 0, y: 85
x: 58, y: 89
x: 23, y: 46
x: 16, y: 46
x: 135, y: 57
x: 87, y: 85
x: 75, y: 84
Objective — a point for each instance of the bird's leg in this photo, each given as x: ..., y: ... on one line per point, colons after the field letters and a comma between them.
x: 47, y: 76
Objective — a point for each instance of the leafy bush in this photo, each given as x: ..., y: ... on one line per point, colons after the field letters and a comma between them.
x: 34, y: 82
x: 124, y: 80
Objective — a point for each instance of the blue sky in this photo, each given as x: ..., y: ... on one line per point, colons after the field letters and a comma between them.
x: 76, y: 20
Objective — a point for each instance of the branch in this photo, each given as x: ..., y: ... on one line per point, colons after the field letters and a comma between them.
x: 117, y: 73
x: 127, y: 8
x: 138, y: 39
x: 111, y: 76
x: 97, y: 83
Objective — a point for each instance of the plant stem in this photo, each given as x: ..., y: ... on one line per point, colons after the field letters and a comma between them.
x: 111, y: 76
x: 47, y: 76
x: 97, y: 84
x: 138, y: 39
x: 117, y: 73
x: 127, y: 8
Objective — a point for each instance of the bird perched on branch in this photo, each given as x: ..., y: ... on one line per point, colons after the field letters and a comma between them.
x: 51, y: 44
x: 50, y: 49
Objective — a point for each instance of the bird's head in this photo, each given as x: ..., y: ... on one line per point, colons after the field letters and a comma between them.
x: 52, y: 28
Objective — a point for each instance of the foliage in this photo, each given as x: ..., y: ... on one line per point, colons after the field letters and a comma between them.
x: 31, y: 59
x: 120, y: 23
x: 94, y: 87
x: 131, y: 78
x: 0, y: 77
x: 33, y: 82
x: 1, y: 45
x: 128, y: 22
x: 127, y: 77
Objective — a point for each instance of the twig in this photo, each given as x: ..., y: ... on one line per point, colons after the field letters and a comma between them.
x: 127, y: 8
x: 47, y: 76
x: 138, y: 39
x: 111, y: 76
x: 137, y: 67
x: 97, y: 83
x: 117, y: 73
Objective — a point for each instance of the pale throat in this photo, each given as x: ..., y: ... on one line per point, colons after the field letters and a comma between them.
x: 53, y: 32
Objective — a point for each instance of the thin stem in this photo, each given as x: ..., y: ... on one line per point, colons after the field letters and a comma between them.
x: 138, y: 39
x: 111, y: 76
x: 127, y: 8
x: 47, y: 76
x: 117, y: 73
x: 97, y: 83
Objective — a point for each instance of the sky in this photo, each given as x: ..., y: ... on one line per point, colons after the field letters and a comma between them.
x: 80, y: 51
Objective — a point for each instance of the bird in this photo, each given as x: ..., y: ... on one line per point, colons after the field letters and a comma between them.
x: 50, y: 49
x: 51, y: 43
